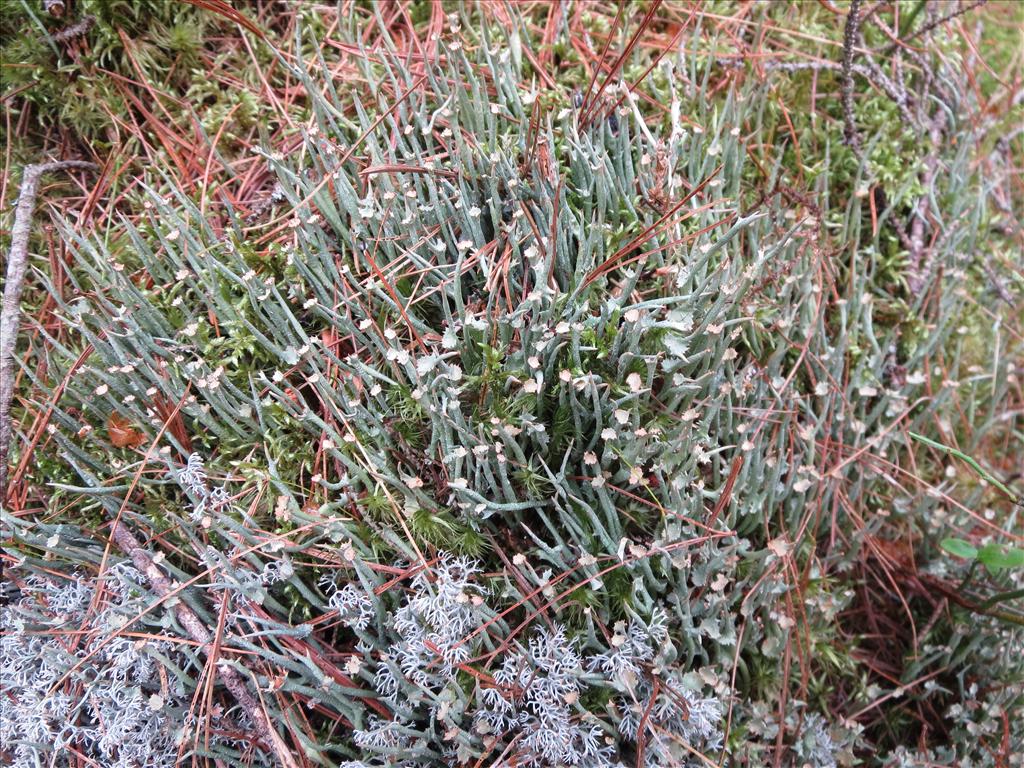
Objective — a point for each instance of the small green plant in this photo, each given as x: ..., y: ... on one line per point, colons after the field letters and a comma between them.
x: 993, y: 556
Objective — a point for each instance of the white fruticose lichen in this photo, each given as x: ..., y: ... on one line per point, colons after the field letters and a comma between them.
x: 432, y: 626
x: 193, y: 480
x: 532, y: 697
x: 70, y: 689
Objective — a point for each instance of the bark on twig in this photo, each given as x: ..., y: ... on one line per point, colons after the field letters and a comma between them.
x: 17, y: 265
x: 200, y: 634
x: 850, y: 37
x: 276, y: 196
x: 72, y: 31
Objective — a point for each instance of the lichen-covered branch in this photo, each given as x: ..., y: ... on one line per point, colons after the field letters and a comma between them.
x: 199, y: 632
x: 17, y: 265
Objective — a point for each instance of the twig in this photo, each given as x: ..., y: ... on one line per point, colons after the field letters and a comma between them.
x: 937, y: 23
x: 200, y: 634
x: 894, y: 92
x: 72, y: 31
x: 258, y: 209
x: 997, y: 285
x: 850, y: 37
x: 17, y: 265
x: 870, y: 72
x: 968, y: 601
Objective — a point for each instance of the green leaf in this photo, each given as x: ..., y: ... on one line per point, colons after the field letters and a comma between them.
x: 959, y: 548
x: 994, y: 557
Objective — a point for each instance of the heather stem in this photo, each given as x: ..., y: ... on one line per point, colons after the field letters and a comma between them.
x: 850, y: 37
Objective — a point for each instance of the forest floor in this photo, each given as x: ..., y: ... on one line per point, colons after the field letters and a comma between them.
x: 514, y: 383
